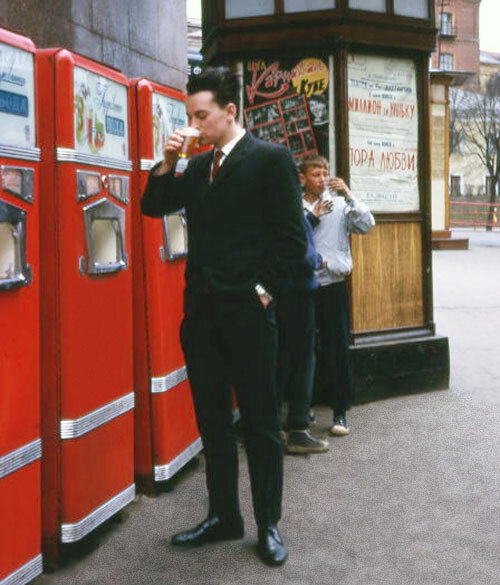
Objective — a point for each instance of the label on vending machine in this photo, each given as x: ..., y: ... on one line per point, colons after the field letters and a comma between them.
x: 100, y: 115
x: 168, y: 115
x: 17, y: 111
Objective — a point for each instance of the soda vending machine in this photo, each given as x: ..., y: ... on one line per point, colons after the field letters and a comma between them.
x: 20, y: 444
x: 166, y: 432
x: 87, y: 357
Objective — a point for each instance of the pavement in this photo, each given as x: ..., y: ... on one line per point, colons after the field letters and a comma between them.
x: 410, y: 497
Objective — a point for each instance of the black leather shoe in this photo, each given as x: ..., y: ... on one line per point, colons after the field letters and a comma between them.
x: 210, y: 530
x: 270, y: 546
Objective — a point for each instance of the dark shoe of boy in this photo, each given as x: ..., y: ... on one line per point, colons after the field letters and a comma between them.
x: 301, y: 442
x: 340, y: 427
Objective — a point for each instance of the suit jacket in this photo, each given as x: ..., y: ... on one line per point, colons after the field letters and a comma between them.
x: 244, y: 228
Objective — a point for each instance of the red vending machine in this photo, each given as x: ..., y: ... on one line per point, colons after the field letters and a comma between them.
x: 20, y: 444
x: 87, y: 357
x: 166, y: 432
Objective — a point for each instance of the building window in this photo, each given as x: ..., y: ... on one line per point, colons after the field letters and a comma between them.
x: 308, y: 5
x: 446, y: 61
x: 446, y: 27
x: 244, y: 9
x: 371, y: 5
x: 456, y: 185
x: 413, y: 8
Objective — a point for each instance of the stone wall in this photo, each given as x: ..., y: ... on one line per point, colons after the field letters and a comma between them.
x: 145, y: 38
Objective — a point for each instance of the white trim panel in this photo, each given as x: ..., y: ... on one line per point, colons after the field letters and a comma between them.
x: 23, y: 153
x: 20, y: 457
x: 164, y: 472
x: 147, y: 164
x: 165, y: 383
x: 25, y: 573
x: 74, y: 428
x: 70, y: 155
x: 75, y: 532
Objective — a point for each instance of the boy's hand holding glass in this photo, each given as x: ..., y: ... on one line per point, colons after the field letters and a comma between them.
x: 336, y: 184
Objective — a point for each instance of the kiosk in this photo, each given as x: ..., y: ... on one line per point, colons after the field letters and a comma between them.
x: 20, y: 444
x: 87, y: 344
x: 166, y: 432
x: 349, y: 79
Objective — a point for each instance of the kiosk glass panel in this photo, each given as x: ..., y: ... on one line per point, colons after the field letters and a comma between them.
x: 414, y: 8
x: 371, y: 5
x: 243, y: 8
x: 307, y: 5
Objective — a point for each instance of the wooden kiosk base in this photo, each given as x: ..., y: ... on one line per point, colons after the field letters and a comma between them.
x: 383, y: 369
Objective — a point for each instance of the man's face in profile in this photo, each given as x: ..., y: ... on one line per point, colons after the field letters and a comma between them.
x: 205, y: 114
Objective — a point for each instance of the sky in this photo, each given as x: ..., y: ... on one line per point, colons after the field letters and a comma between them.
x: 489, y: 20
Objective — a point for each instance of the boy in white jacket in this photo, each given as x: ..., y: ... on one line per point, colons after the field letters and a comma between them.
x: 331, y: 236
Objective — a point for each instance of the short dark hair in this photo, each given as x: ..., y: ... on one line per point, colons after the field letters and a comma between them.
x: 312, y: 160
x: 222, y: 81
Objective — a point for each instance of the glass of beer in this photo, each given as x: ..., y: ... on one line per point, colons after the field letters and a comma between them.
x: 190, y: 144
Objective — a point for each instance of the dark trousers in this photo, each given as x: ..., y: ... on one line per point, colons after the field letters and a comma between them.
x: 295, y: 316
x: 230, y: 342
x: 332, y: 322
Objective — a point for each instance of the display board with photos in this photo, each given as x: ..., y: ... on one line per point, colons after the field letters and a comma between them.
x: 383, y: 132
x: 286, y: 102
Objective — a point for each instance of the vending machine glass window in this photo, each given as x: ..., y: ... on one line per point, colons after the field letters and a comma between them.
x: 14, y: 271
x: 175, y: 227
x: 105, y: 235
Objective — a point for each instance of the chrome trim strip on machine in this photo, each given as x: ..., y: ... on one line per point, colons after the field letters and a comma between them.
x: 74, y: 428
x: 169, y: 381
x: 164, y: 472
x: 70, y: 155
x: 76, y: 531
x: 24, y: 153
x: 25, y: 573
x: 147, y: 164
x: 20, y: 457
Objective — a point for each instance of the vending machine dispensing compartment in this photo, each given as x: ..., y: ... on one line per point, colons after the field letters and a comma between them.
x: 175, y: 232
x: 14, y: 271
x: 105, y: 237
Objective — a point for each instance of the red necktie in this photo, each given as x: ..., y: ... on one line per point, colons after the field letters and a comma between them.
x: 218, y: 154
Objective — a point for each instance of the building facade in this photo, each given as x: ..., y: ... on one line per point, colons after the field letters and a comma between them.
x: 141, y: 39
x: 457, y: 48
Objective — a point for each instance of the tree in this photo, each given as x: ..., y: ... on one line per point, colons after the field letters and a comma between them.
x: 475, y: 129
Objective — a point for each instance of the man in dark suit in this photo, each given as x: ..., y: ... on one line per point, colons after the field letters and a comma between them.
x: 245, y: 237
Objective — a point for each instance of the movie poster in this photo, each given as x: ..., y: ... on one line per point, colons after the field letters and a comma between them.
x: 287, y: 102
x: 383, y: 132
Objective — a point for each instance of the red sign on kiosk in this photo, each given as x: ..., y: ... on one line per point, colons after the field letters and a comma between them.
x: 166, y: 432
x: 20, y: 444
x: 87, y: 374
